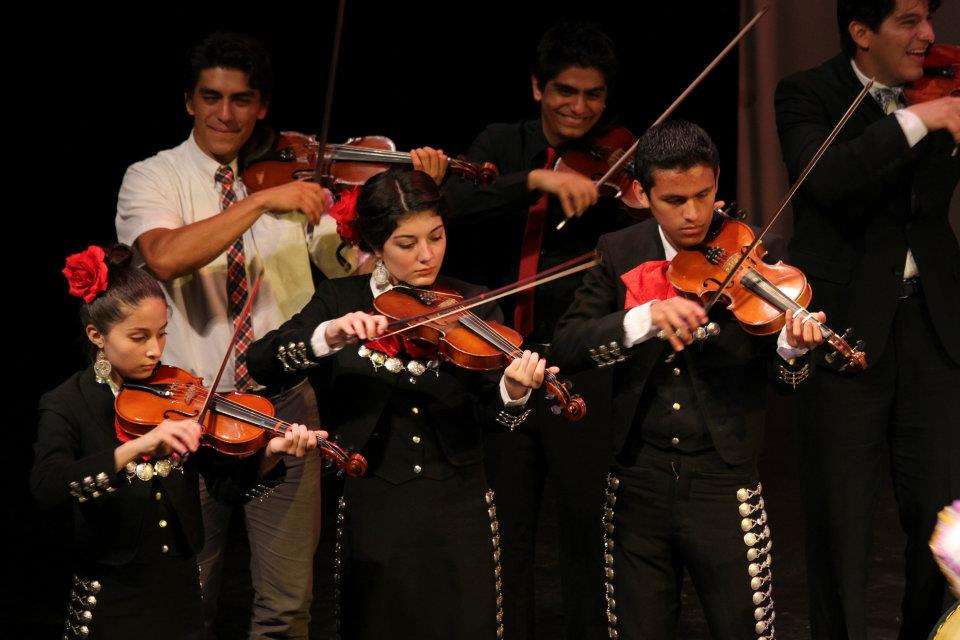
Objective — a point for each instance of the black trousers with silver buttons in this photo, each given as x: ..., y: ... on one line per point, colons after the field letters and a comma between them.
x: 671, y: 512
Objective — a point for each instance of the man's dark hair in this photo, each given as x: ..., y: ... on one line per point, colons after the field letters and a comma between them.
x: 231, y: 51
x: 675, y: 144
x: 870, y: 13
x: 574, y: 44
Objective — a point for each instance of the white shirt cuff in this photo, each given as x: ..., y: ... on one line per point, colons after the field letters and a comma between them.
x: 318, y: 341
x: 507, y: 402
x: 637, y: 326
x: 784, y: 350
x: 913, y: 128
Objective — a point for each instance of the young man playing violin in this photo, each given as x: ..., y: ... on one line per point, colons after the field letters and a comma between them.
x: 572, y: 76
x: 871, y: 232
x: 683, y: 491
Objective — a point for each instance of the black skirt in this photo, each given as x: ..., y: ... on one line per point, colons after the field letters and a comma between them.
x: 143, y: 600
x: 420, y: 559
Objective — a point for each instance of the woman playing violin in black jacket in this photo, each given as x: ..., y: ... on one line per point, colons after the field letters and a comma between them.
x: 418, y: 546
x: 137, y: 525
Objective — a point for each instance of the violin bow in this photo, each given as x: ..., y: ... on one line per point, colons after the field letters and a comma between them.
x: 790, y: 193
x: 553, y: 273
x: 328, y: 99
x: 676, y: 103
x: 238, y: 324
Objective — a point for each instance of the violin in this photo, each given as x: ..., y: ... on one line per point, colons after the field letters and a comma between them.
x: 940, y: 77
x: 238, y: 424
x: 295, y: 156
x: 465, y: 339
x: 758, y: 294
x: 596, y: 153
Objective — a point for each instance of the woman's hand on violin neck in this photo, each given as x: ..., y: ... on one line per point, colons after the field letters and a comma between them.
x: 942, y: 113
x: 677, y: 318
x: 802, y: 332
x: 432, y: 162
x: 576, y: 192
x: 354, y: 327
x: 168, y: 437
x: 309, y: 198
x: 525, y: 373
x: 297, y: 440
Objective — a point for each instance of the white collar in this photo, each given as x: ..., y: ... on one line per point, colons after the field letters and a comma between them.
x: 205, y: 164
x: 877, y: 85
x: 668, y: 249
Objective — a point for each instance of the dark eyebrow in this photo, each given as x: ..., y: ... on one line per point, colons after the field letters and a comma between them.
x: 207, y: 92
x: 566, y: 87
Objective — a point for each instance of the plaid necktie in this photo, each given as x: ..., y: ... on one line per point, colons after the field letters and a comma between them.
x: 237, y: 287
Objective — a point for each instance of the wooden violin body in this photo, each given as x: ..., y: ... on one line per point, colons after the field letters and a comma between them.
x: 940, y: 76
x: 701, y: 272
x: 465, y: 339
x: 758, y: 294
x: 238, y: 424
x: 593, y: 155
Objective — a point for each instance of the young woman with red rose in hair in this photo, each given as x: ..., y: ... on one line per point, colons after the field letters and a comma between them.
x: 418, y: 541
x: 137, y: 524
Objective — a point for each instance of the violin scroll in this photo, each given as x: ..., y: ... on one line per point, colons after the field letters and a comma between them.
x: 570, y: 405
x: 353, y: 464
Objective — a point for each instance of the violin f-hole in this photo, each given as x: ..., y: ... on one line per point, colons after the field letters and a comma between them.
x: 166, y: 414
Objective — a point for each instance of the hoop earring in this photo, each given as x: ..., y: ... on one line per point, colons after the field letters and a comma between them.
x: 381, y: 277
x: 102, y: 367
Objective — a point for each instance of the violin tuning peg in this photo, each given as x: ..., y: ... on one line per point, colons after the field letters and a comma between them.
x: 555, y: 410
x: 830, y: 358
x: 848, y: 333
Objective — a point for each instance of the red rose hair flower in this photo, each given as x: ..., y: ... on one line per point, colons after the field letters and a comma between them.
x: 345, y: 213
x: 87, y: 273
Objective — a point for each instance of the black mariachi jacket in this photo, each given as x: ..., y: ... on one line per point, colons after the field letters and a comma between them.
x: 74, y: 461
x: 729, y: 371
x: 355, y: 399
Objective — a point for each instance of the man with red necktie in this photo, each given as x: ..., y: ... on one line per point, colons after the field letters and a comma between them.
x: 574, y: 69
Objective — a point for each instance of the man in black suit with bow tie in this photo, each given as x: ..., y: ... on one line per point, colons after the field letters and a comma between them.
x: 872, y: 235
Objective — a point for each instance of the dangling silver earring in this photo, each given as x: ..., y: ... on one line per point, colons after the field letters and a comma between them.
x: 381, y: 277
x: 102, y: 368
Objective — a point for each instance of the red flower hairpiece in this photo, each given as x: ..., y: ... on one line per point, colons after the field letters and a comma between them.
x: 345, y: 213
x: 87, y: 273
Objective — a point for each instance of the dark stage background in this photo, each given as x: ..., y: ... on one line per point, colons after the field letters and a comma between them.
x: 94, y: 93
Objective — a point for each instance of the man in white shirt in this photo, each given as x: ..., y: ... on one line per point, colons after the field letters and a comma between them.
x: 185, y: 210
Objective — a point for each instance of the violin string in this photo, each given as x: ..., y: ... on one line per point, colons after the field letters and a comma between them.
x: 281, y: 426
x: 180, y: 389
x: 500, y: 342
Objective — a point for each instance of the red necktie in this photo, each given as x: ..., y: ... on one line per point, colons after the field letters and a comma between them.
x: 237, y: 287
x: 530, y: 254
